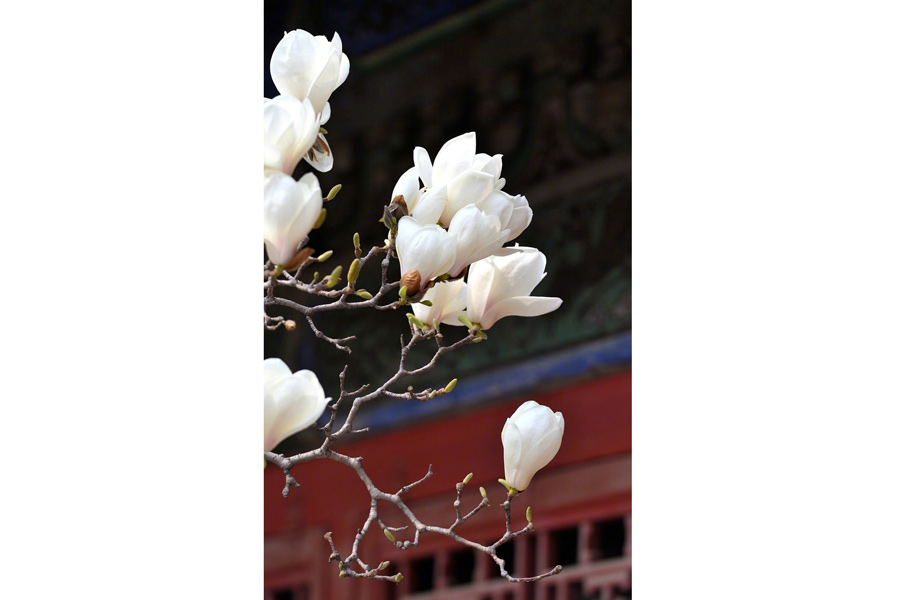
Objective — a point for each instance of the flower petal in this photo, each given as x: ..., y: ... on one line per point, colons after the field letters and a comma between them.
x: 454, y: 157
x: 519, y: 306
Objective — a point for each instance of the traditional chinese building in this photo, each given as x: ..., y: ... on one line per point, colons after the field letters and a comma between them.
x: 548, y: 86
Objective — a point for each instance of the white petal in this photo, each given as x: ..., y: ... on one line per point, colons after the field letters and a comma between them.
x: 454, y: 157
x: 274, y: 370
x: 520, y: 306
x: 430, y: 204
x: 477, y: 236
x: 520, y: 218
x: 512, y: 450
x: 408, y: 187
x: 423, y: 164
x: 470, y: 187
x: 428, y: 249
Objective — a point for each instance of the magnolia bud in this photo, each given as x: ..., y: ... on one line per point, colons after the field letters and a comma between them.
x: 353, y: 271
x: 325, y: 256
x: 364, y: 295
x: 528, y: 514
x: 290, y: 325
x: 397, y: 578
x: 483, y: 493
x: 398, y: 208
x: 334, y: 192
x: 449, y: 387
x: 384, y: 565
x: 389, y: 535
x: 415, y: 321
x: 467, y: 478
x: 356, y: 240
x: 321, y: 219
x: 334, y: 277
x: 412, y: 281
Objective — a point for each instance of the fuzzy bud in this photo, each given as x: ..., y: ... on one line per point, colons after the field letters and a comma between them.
x: 412, y: 281
x: 290, y: 325
x: 353, y: 271
x: 321, y: 219
x: 334, y: 277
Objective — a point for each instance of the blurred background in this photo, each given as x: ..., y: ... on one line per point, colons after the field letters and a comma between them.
x: 547, y: 85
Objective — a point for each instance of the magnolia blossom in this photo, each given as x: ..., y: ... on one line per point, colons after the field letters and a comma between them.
x: 290, y: 128
x: 425, y: 251
x: 311, y: 67
x: 448, y: 299
x: 293, y: 402
x: 458, y: 177
x: 500, y: 286
x: 531, y: 438
x: 290, y: 209
x: 478, y: 235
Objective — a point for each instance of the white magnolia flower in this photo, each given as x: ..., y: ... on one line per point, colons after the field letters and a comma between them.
x: 448, y: 300
x: 425, y: 251
x: 531, y: 438
x: 513, y: 211
x: 290, y: 209
x: 458, y: 177
x: 311, y: 67
x: 478, y: 235
x: 500, y: 286
x: 293, y: 402
x: 290, y: 128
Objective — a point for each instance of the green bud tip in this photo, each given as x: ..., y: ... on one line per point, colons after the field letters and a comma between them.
x: 384, y: 565
x: 322, y: 130
x: 483, y: 493
x: 389, y: 535
x: 334, y: 192
x: 364, y: 295
x: 425, y: 302
x: 279, y: 269
x: 325, y: 256
x: 353, y: 271
x: 356, y: 240
x: 465, y: 321
x: 398, y: 577
x: 528, y: 514
x: 512, y: 491
x: 467, y: 478
x: 403, y: 293
x: 415, y: 321
x: 342, y: 574
x: 449, y: 387
x: 321, y: 218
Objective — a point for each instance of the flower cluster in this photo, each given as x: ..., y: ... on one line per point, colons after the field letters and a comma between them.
x: 451, y: 219
x: 306, y: 70
x: 459, y: 220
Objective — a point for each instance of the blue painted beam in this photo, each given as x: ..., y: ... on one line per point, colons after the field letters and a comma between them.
x: 553, y: 370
